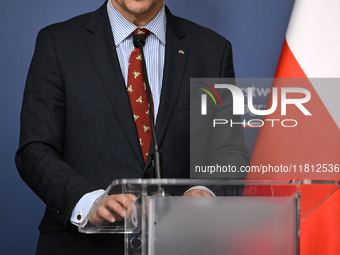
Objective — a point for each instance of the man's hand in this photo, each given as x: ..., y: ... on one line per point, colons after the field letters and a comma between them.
x: 198, y: 193
x: 113, y: 208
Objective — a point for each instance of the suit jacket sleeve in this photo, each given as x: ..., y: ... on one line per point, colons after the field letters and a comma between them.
x: 223, y: 145
x: 236, y: 150
x: 39, y: 158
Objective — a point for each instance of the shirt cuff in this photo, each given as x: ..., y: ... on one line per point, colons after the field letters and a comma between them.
x: 202, y: 188
x: 84, y: 205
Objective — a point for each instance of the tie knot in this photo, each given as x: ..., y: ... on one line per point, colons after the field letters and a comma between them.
x: 141, y: 31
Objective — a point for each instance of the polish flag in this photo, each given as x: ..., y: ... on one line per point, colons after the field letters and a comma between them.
x: 311, y: 50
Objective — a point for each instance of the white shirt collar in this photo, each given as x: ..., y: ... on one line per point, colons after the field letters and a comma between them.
x: 122, y: 28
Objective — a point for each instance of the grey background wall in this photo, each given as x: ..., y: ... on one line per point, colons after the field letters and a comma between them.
x: 255, y: 28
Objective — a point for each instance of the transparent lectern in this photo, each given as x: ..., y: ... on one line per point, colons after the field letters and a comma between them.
x: 244, y: 217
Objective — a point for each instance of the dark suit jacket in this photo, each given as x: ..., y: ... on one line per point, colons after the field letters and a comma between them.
x: 77, y: 129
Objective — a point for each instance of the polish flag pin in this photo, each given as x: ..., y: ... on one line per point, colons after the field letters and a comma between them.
x: 181, y: 52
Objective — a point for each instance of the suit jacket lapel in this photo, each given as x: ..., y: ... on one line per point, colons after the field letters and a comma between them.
x: 101, y: 46
x: 174, y: 69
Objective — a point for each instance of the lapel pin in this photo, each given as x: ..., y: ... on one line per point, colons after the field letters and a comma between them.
x: 181, y: 52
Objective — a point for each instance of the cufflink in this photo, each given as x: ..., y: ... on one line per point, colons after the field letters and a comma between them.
x: 78, y: 217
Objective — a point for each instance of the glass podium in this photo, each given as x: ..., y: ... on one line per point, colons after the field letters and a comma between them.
x: 244, y: 217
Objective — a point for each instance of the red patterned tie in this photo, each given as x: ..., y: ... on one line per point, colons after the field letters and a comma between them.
x: 137, y: 92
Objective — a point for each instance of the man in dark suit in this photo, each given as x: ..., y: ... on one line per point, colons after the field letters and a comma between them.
x: 77, y: 127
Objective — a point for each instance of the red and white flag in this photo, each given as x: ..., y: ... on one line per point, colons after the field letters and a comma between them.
x: 311, y: 50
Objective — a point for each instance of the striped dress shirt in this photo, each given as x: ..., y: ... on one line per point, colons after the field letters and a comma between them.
x: 154, y: 49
